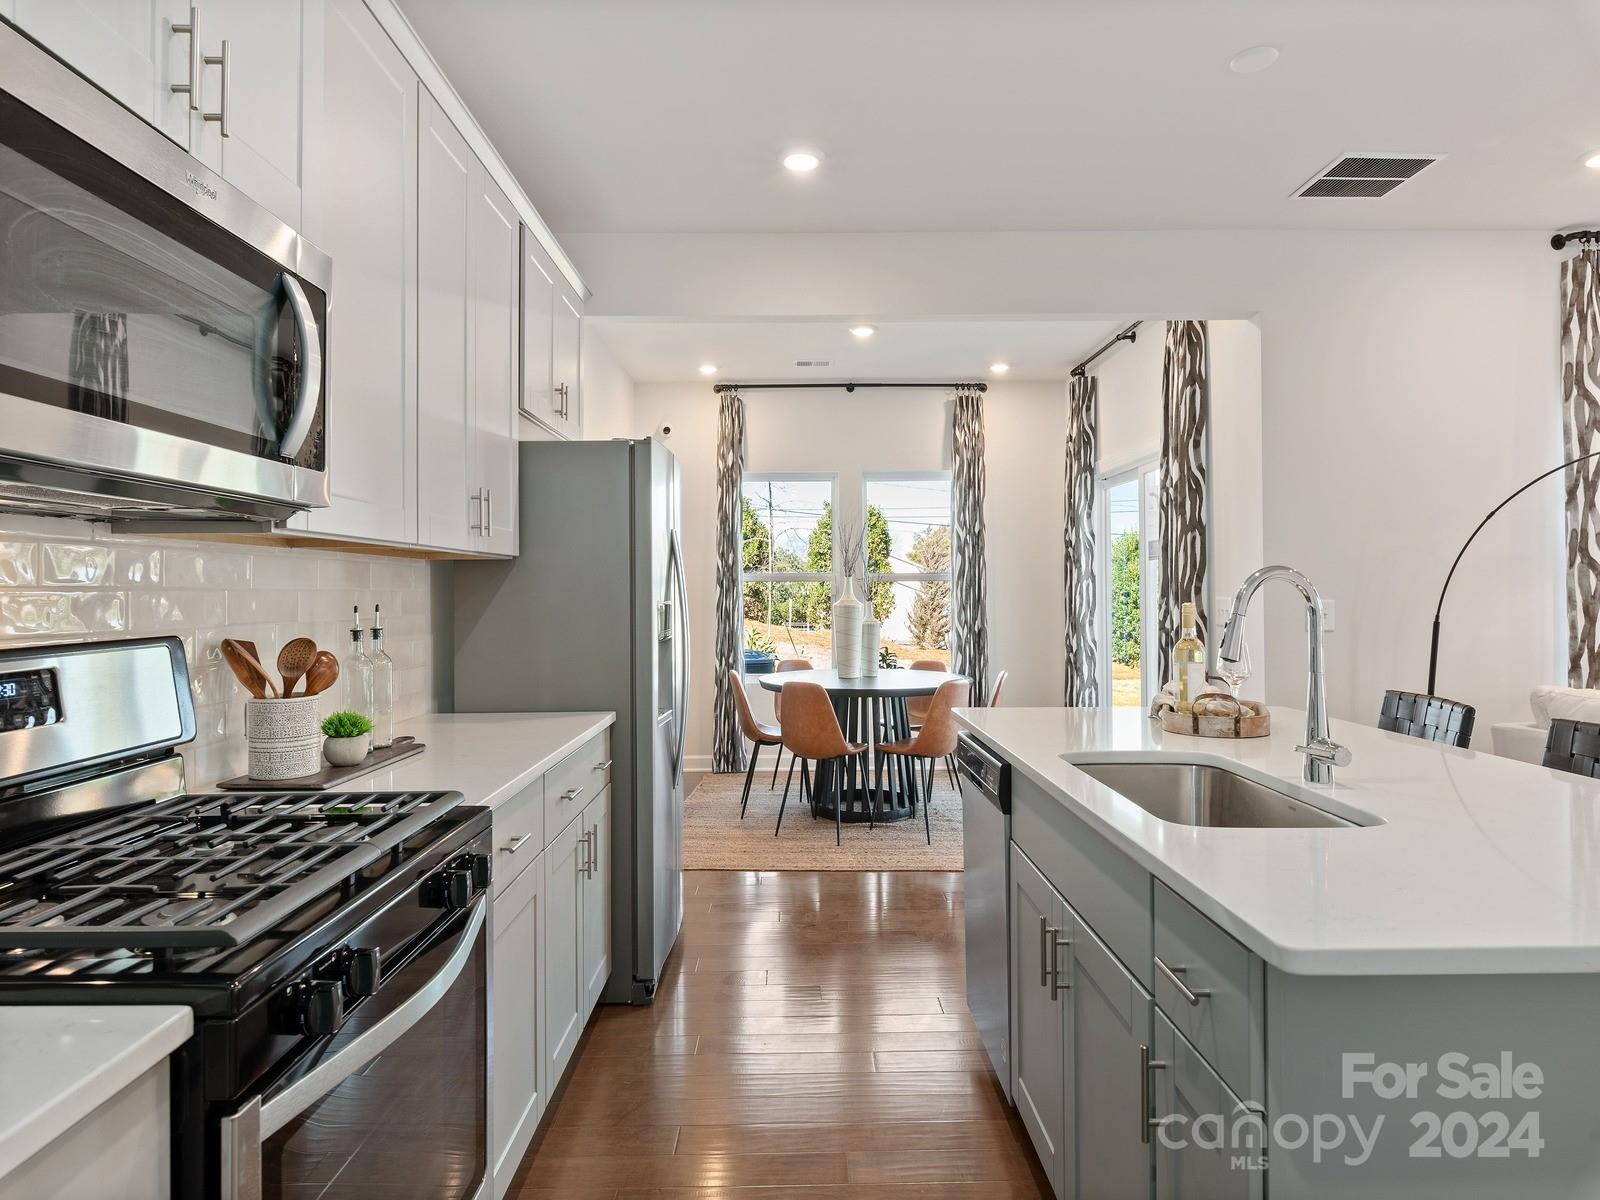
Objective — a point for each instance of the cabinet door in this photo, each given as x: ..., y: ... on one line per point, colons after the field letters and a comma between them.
x: 539, y: 289
x: 568, y: 383
x: 1186, y: 1088
x: 493, y: 285
x: 446, y: 509
x: 126, y: 47
x: 563, y: 958
x: 1109, y: 1079
x: 260, y: 98
x: 361, y: 208
x: 518, y: 1056
x: 1038, y: 1083
x: 597, y: 902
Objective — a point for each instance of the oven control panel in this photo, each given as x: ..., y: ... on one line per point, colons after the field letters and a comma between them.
x: 29, y: 699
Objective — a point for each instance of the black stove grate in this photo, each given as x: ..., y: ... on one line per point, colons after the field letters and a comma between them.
x: 199, y: 871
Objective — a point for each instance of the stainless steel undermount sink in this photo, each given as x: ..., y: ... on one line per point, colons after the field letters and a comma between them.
x: 1193, y: 794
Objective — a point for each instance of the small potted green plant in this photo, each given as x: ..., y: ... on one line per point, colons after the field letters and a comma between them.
x: 348, y: 738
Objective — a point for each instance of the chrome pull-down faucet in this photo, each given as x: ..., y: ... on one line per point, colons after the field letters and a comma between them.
x: 1322, y: 753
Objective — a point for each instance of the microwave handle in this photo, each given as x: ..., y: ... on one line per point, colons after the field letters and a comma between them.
x: 305, y: 407
x: 245, y: 1131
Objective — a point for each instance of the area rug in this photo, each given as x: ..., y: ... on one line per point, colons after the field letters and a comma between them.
x: 715, y: 839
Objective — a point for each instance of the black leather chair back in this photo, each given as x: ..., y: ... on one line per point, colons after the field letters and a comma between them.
x: 1432, y: 718
x: 1573, y: 746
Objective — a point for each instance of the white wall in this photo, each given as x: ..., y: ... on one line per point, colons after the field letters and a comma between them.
x: 888, y: 430
x: 607, y: 391
x: 1409, y: 380
x: 1129, y: 390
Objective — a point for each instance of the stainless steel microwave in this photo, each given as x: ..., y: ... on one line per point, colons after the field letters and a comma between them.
x: 163, y: 339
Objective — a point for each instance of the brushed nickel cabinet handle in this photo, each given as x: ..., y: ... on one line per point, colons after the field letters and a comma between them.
x: 221, y: 115
x: 1056, y: 986
x: 191, y: 30
x: 517, y: 843
x: 603, y: 766
x: 572, y: 794
x: 1146, y: 1122
x: 1045, y: 934
x: 1192, y: 995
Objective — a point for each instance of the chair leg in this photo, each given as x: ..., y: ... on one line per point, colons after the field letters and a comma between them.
x: 777, y: 761
x: 755, y: 753
x: 782, y: 803
x: 805, y: 782
x: 927, y: 804
x: 872, y: 795
x: 788, y: 779
x: 950, y: 771
x: 838, y: 802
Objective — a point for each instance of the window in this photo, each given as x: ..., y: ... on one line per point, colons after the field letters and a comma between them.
x: 1129, y: 569
x: 908, y: 563
x: 787, y: 533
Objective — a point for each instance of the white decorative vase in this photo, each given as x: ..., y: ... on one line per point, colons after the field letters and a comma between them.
x: 871, y: 642
x: 847, y: 632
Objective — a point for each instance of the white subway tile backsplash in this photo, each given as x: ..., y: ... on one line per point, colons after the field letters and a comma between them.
x: 65, y: 581
x: 17, y: 564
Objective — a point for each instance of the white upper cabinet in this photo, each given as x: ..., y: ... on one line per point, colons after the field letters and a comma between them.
x: 537, y: 396
x: 493, y: 285
x: 446, y: 504
x: 360, y: 207
x: 128, y: 47
x: 568, y: 349
x: 249, y: 124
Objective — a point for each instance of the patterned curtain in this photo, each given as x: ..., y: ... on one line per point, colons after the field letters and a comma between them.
x: 727, y: 749
x: 1185, y: 415
x: 1580, y: 430
x: 1083, y: 422
x: 969, y: 617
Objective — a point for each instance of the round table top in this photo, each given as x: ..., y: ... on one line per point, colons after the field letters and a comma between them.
x: 884, y: 683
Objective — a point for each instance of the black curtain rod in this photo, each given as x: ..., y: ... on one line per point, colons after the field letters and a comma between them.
x: 1560, y: 241
x: 849, y: 387
x: 1130, y: 334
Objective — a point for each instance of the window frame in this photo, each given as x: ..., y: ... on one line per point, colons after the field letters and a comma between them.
x: 1136, y: 472
x: 912, y: 577
x: 770, y: 577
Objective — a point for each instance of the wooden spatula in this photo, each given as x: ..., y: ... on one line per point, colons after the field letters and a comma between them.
x: 323, y: 673
x: 247, y: 669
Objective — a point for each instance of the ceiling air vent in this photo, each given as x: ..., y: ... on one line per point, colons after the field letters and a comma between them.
x: 812, y: 362
x: 1365, y: 175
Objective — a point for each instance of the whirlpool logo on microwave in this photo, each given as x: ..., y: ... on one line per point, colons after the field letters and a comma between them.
x: 199, y: 186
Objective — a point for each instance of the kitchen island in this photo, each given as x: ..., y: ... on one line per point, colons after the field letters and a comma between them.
x: 1400, y: 1002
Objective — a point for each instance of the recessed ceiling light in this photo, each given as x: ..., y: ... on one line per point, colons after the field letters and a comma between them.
x: 802, y: 162
x: 708, y: 368
x: 1257, y: 58
x: 1592, y: 162
x: 999, y: 368
x: 863, y: 331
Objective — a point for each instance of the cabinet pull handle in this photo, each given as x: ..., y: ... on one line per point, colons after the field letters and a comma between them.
x: 475, y: 499
x: 488, y: 512
x: 603, y: 766
x: 572, y: 794
x: 1045, y: 934
x: 221, y: 115
x: 1146, y: 1065
x: 517, y: 843
x: 1192, y: 995
x: 1056, y: 986
x: 192, y: 30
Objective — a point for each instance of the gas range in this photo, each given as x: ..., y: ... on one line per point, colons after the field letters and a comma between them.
x: 325, y: 941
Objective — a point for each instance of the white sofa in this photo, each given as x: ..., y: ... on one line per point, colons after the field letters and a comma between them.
x: 1525, y: 739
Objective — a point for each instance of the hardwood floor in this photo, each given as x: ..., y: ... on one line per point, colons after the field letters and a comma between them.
x: 810, y: 1042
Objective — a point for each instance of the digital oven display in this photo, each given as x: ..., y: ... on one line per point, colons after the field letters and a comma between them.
x: 28, y: 699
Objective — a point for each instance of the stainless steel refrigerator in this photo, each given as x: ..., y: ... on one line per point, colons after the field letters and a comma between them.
x: 593, y: 615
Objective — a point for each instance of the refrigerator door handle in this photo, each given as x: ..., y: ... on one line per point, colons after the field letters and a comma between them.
x: 681, y: 664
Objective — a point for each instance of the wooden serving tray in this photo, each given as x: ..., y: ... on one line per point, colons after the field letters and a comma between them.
x: 1217, y: 715
x: 329, y: 776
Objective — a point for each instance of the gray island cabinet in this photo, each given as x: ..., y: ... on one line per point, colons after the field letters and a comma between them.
x: 1155, y: 1053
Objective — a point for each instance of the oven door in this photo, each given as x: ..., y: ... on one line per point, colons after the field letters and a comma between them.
x: 395, y: 1105
x: 162, y: 337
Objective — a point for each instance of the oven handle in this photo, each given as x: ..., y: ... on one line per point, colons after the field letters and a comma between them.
x: 245, y: 1131
x: 310, y: 369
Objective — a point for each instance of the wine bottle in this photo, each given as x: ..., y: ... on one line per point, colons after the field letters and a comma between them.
x: 1188, y: 662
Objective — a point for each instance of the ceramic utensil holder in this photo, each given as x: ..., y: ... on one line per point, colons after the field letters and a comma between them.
x: 284, y: 737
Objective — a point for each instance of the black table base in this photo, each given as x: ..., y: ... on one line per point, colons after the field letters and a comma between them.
x: 871, y: 719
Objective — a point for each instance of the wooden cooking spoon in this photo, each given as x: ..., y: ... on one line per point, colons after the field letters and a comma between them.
x: 324, y: 671
x: 247, y: 669
x: 294, y: 660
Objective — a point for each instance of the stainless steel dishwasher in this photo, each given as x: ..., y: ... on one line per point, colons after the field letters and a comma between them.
x: 986, y: 854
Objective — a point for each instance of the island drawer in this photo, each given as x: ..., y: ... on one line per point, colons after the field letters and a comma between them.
x: 1105, y: 886
x: 518, y: 834
x: 573, y: 782
x: 1211, y: 987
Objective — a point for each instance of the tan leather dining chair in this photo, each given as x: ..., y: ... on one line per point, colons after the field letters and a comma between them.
x: 811, y: 733
x: 935, y: 740
x: 758, y: 733
x: 999, y: 686
x: 784, y: 664
x: 917, y: 706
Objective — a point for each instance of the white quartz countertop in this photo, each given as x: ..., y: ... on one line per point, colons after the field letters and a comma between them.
x: 59, y: 1063
x: 487, y: 757
x: 1478, y: 865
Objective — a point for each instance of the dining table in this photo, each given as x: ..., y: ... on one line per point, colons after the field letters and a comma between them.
x: 871, y: 709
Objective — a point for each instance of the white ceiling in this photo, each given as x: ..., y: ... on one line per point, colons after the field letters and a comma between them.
x: 937, y: 351
x: 948, y: 115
